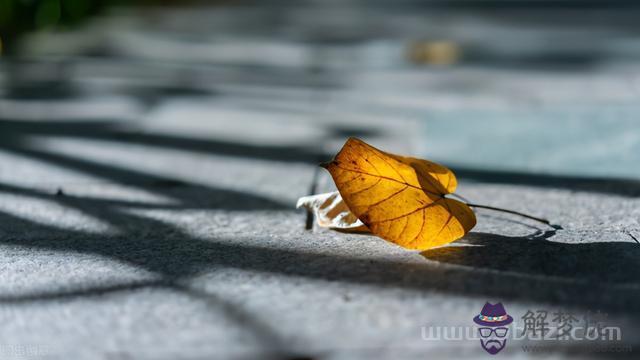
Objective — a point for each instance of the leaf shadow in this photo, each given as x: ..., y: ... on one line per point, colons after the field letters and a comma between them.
x: 427, y: 181
x: 536, y: 268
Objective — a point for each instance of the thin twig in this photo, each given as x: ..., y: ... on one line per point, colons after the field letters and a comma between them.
x: 460, y: 197
x: 544, y: 221
x: 308, y: 224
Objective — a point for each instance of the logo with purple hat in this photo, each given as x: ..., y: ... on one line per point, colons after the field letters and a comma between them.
x: 493, y: 321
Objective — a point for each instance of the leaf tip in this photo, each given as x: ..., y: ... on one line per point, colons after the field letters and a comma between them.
x: 352, y: 139
x: 325, y: 165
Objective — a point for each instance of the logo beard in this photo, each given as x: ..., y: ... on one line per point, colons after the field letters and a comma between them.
x: 493, y: 346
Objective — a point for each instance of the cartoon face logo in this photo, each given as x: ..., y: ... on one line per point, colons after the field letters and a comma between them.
x: 493, y: 321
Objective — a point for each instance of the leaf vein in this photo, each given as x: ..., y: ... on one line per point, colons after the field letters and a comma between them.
x: 409, y: 213
x: 390, y: 179
x: 348, y: 181
x: 406, y: 222
x: 446, y: 222
x: 385, y: 199
x: 365, y: 189
x: 424, y: 212
x: 391, y: 166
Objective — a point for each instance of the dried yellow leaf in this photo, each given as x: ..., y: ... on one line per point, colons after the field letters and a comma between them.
x: 400, y: 199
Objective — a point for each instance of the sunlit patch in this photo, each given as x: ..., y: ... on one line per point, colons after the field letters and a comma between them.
x: 47, y: 178
x: 65, y: 110
x: 51, y: 215
x: 174, y: 170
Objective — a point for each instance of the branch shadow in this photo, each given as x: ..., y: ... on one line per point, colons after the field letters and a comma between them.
x: 15, y: 130
x: 188, y: 195
x: 616, y: 186
x: 519, y: 267
x: 140, y: 241
x: 603, y: 275
x: 173, y: 256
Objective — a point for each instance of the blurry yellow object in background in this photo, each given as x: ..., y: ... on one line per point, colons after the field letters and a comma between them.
x: 434, y: 52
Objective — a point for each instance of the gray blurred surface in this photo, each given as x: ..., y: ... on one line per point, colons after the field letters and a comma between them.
x: 150, y: 163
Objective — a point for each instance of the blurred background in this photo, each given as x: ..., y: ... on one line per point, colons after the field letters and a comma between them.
x: 513, y: 85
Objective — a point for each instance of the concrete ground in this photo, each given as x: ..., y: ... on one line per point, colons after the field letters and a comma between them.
x: 151, y: 160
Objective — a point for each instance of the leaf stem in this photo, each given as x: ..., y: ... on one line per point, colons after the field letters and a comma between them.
x: 459, y: 197
x: 544, y: 221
